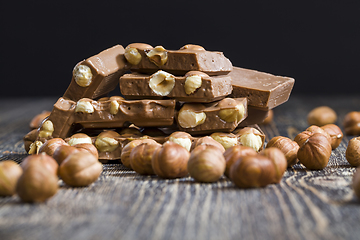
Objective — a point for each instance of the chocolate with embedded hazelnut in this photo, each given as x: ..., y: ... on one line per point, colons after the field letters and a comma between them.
x: 194, y: 86
x: 221, y: 116
x: 144, y: 58
x: 263, y: 90
x: 112, y: 113
x: 97, y: 75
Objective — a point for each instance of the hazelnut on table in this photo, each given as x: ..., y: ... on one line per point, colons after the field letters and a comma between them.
x: 321, y: 116
x: 287, y: 146
x: 351, y: 123
x: 352, y: 152
x: 10, y: 172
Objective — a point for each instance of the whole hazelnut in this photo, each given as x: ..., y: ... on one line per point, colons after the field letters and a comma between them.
x: 316, y: 129
x: 335, y: 134
x: 51, y: 145
x: 279, y: 161
x: 352, y: 152
x: 351, y: 123
x: 208, y: 141
x: 43, y: 159
x: 37, y: 183
x: 80, y: 169
x: 314, y: 153
x: 125, y: 153
x: 88, y: 147
x: 234, y: 153
x: 225, y: 139
x: 170, y: 160
x: 141, y: 157
x: 206, y: 163
x: 302, y: 137
x: 321, y: 116
x: 63, y: 152
x: 252, y: 171
x: 287, y: 146
x: 356, y: 183
x: 10, y: 172
x: 182, y: 138
x: 38, y: 119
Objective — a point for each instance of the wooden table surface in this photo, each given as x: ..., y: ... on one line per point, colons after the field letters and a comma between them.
x: 124, y: 205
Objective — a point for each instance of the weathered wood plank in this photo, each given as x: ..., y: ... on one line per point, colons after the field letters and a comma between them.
x: 124, y: 205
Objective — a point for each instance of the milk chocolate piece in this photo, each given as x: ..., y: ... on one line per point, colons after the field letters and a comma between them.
x: 195, y: 86
x: 263, y: 90
x: 179, y: 62
x: 112, y: 113
x: 255, y: 116
x: 97, y: 75
x: 221, y: 116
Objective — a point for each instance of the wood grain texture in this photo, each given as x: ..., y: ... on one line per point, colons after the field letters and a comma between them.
x: 124, y: 205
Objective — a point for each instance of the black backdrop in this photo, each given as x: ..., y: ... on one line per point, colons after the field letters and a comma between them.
x: 316, y: 42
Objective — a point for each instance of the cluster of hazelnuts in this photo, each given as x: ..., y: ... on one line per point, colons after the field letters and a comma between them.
x: 36, y: 179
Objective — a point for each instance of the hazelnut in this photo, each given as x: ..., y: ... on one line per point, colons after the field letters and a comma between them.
x: 37, y: 183
x: 225, y: 139
x: 162, y: 83
x: 234, y: 153
x: 42, y: 159
x: 279, y: 161
x: 317, y: 129
x: 302, y: 137
x: 356, y: 183
x: 352, y: 152
x: 321, y: 116
x: 125, y: 153
x: 84, y: 105
x: 231, y: 110
x: 10, y: 172
x: 106, y: 142
x: 79, y: 138
x: 252, y: 171
x: 114, y: 107
x: 89, y: 147
x: 80, y: 169
x: 269, y: 117
x: 158, y: 55
x: 82, y: 75
x: 29, y: 138
x: 38, y: 119
x: 251, y: 137
x: 351, y: 123
x: 170, y: 160
x: 141, y: 157
x: 46, y: 129
x: 191, y: 115
x: 63, y: 152
x: 315, y: 151
x: 140, y: 46
x: 132, y: 55
x: 35, y: 147
x: 193, y: 81
x: 335, y: 134
x: 206, y: 164
x: 181, y: 138
x: 192, y: 47
x: 208, y: 141
x: 51, y: 145
x: 287, y: 146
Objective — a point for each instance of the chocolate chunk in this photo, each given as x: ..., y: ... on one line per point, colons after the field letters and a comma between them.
x: 97, y: 75
x: 177, y: 62
x: 263, y: 90
x: 221, y: 116
x: 112, y: 113
x: 193, y: 87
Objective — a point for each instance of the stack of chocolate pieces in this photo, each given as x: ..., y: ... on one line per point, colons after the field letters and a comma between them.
x: 163, y: 91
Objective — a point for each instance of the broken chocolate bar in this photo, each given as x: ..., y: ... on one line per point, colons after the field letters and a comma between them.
x: 146, y: 59
x: 223, y: 116
x: 114, y: 112
x: 97, y: 75
x: 195, y: 86
x: 262, y: 90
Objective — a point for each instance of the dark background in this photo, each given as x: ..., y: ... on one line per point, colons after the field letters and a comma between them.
x: 316, y: 42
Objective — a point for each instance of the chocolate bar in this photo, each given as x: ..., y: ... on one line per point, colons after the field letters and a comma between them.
x: 147, y: 59
x: 195, y: 86
x: 223, y: 116
x: 263, y: 90
x: 97, y: 75
x: 114, y: 112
